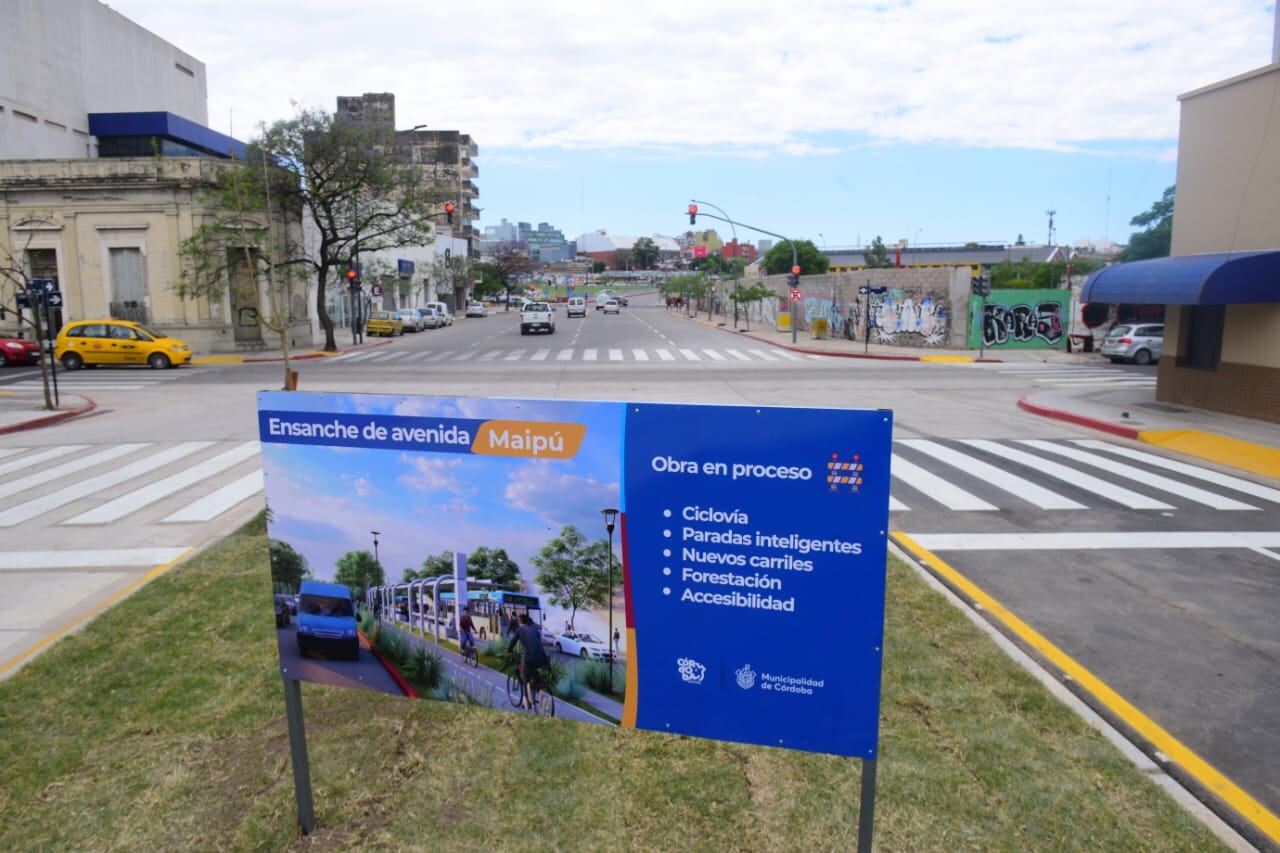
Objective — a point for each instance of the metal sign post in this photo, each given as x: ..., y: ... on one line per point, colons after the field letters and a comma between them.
x: 51, y: 301
x: 298, y: 755
x: 867, y: 805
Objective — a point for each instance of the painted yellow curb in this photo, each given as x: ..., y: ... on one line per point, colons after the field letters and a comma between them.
x: 1207, y: 775
x: 1244, y: 455
x: 218, y: 359
x: 952, y: 359
x: 58, y: 635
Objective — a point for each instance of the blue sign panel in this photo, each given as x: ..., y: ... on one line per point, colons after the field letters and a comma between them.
x: 404, y: 268
x: 755, y: 554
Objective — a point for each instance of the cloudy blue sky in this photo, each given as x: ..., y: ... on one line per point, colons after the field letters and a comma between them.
x: 926, y: 120
x: 326, y: 500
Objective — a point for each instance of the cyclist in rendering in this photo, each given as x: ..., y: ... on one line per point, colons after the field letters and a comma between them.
x: 532, y: 656
x: 466, y: 630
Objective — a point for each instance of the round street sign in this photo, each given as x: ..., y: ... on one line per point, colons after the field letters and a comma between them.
x: 795, y: 294
x: 376, y: 290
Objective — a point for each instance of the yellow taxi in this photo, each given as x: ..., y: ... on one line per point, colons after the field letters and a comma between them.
x: 384, y: 323
x: 94, y: 342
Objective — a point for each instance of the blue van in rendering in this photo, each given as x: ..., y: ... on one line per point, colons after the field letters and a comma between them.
x: 327, y: 619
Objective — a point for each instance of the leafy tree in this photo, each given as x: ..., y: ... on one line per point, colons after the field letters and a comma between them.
x: 433, y: 566
x: 574, y: 573
x: 748, y: 294
x: 645, y: 253
x: 1156, y: 238
x: 358, y: 571
x: 493, y: 564
x: 811, y: 260
x: 14, y: 280
x: 598, y: 266
x: 288, y: 567
x: 489, y: 285
x: 353, y: 183
x: 621, y: 259
x: 877, y: 256
x: 509, y: 262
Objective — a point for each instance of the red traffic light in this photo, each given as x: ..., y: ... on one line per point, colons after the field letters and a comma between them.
x: 449, y: 207
x: 693, y: 214
x: 795, y: 270
x: 351, y: 274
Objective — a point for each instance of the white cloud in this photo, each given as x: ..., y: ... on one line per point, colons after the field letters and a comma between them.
x: 557, y: 498
x: 718, y: 74
x: 429, y: 473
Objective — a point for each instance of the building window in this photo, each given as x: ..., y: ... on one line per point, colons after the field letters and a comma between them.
x: 1203, y: 324
x: 128, y: 290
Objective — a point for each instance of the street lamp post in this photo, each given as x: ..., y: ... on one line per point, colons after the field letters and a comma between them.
x: 610, y: 517
x: 376, y: 534
x: 734, y: 229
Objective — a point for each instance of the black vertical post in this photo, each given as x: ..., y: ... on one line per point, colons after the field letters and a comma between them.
x: 298, y: 755
x: 867, y: 805
x: 53, y: 362
x: 866, y: 338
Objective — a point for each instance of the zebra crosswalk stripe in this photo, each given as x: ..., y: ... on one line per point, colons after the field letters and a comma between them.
x: 442, y: 355
x: 588, y: 355
x: 640, y: 355
x: 1154, y: 481
x: 715, y: 355
x: 1017, y: 486
x: 1072, y: 477
x: 541, y: 355
x: 759, y: 353
x: 792, y: 356
x: 48, y: 475
x: 9, y: 451
x: 38, y: 456
x: 490, y: 355
x: 564, y: 355
x: 664, y: 355
x: 466, y: 354
x: 615, y: 355
x: 739, y: 356
x: 514, y: 355
x: 38, y: 506
x: 926, y: 482
x: 137, y: 499
x: 216, y: 503
x: 1257, y: 490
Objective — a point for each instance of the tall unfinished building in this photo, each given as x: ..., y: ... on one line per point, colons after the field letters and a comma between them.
x: 446, y: 157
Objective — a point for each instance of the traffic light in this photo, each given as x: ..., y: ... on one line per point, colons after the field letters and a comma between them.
x: 980, y: 285
x: 353, y: 277
x: 793, y: 280
x: 449, y: 208
x: 693, y: 214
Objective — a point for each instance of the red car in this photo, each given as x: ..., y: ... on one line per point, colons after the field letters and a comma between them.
x: 15, y: 351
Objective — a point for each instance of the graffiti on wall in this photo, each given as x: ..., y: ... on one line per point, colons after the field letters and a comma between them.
x: 1025, y: 319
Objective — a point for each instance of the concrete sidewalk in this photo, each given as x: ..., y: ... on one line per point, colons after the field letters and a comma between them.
x: 21, y: 410
x: 272, y: 355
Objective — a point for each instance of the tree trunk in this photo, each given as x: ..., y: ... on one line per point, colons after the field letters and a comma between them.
x: 326, y: 322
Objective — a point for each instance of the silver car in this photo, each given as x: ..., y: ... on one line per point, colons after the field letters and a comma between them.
x: 412, y: 322
x: 1140, y: 343
x: 431, y: 318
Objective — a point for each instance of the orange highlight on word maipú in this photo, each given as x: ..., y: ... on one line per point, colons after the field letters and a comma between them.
x: 534, y: 439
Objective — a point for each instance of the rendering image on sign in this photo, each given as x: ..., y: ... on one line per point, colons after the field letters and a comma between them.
x: 715, y: 571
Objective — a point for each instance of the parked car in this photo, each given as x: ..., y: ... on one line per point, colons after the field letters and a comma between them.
x: 443, y: 310
x: 94, y: 342
x: 383, y: 323
x: 412, y: 320
x: 577, y: 307
x: 537, y: 316
x: 582, y: 645
x: 327, y: 619
x: 475, y: 309
x: 431, y: 318
x: 282, y: 610
x: 1141, y: 343
x: 611, y: 306
x: 18, y: 351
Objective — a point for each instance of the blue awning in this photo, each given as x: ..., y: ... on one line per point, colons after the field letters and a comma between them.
x: 168, y: 126
x: 1223, y: 278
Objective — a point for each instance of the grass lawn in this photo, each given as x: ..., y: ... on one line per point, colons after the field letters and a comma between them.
x: 161, y: 726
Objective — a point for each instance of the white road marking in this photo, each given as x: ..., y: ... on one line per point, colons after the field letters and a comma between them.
x: 36, y: 457
x: 393, y: 356
x: 345, y: 356
x: 564, y: 355
x: 640, y: 355
x: 615, y: 355
x: 99, y: 386
x: 1071, y: 476
x: 540, y: 355
x: 9, y: 451
x: 1209, y: 476
x: 715, y: 355
x: 588, y: 355
x: 137, y: 499
x: 896, y: 505
x: 759, y: 353
x: 442, y: 355
x: 490, y: 355
x: 930, y: 484
x: 690, y: 355
x: 1154, y: 481
x: 92, y: 486
x: 421, y: 355
x: 362, y: 356
x: 48, y: 475
x: 1154, y: 540
x: 1016, y: 486
x: 216, y: 503
x: 793, y: 357
x: 739, y: 356
x: 664, y: 355
x: 515, y: 355
x: 95, y: 558
x: 466, y: 354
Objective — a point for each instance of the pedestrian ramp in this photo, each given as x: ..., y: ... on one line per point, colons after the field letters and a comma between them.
x: 1061, y: 475
x: 648, y: 356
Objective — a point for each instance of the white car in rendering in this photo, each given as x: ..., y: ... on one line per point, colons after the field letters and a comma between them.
x: 581, y: 644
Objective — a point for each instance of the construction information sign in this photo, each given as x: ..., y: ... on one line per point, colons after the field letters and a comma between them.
x: 749, y: 549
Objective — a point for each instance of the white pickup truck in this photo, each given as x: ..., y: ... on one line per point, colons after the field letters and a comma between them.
x: 537, y: 316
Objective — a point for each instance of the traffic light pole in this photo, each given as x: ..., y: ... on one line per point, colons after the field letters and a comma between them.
x: 693, y: 213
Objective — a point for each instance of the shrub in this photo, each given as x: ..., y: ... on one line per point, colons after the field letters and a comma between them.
x: 426, y: 667
x: 570, y: 684
x: 595, y: 674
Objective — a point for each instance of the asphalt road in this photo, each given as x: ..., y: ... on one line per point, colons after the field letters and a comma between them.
x: 1178, y: 616
x: 366, y: 671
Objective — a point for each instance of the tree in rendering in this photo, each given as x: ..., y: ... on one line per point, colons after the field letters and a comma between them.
x: 485, y: 563
x: 574, y: 573
x: 508, y: 264
x: 288, y: 567
x: 811, y: 260
x: 1156, y: 239
x: 358, y: 570
x: 645, y: 254
x: 877, y: 256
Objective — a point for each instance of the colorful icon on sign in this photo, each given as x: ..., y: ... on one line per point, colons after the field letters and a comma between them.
x: 691, y: 672
x: 844, y: 473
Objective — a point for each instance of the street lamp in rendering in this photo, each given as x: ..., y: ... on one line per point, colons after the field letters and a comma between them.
x: 610, y: 518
